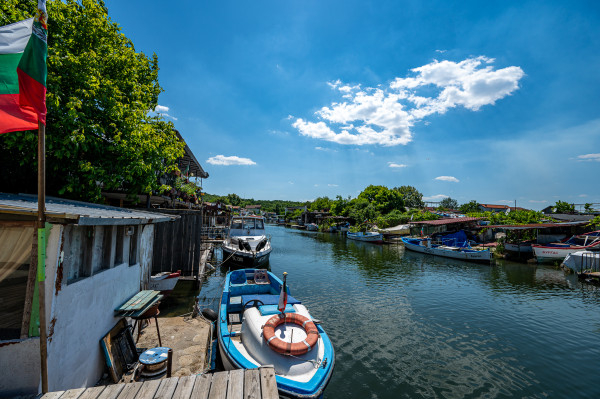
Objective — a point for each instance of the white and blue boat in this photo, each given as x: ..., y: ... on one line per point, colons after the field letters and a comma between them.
x: 252, y: 332
x: 449, y: 249
x: 369, y: 236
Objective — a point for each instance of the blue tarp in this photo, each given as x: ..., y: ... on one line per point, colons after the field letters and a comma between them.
x: 458, y: 239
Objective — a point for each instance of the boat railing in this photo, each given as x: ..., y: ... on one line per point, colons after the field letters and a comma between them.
x: 589, y: 262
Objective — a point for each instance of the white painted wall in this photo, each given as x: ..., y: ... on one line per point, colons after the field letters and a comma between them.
x: 83, y: 312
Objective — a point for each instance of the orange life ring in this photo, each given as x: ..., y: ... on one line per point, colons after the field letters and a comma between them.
x: 289, y: 348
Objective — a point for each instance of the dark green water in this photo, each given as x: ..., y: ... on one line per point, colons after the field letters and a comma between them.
x: 410, y: 325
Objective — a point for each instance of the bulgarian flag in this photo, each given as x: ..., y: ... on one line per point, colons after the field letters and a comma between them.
x: 23, y: 72
x: 283, y: 295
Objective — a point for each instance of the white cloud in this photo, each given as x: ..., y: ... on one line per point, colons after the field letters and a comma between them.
x: 589, y: 157
x: 385, y: 115
x: 396, y: 165
x: 538, y: 202
x: 227, y: 161
x: 435, y: 198
x: 163, y: 111
x: 332, y: 185
x: 447, y: 178
x: 325, y: 149
x: 582, y: 195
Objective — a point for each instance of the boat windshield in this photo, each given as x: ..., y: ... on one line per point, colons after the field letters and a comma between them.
x: 248, y: 223
x: 236, y: 224
x: 260, y: 225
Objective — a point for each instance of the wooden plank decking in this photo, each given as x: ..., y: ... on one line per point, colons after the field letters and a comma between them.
x: 236, y: 384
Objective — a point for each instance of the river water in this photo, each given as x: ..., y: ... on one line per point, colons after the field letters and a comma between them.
x: 405, y: 324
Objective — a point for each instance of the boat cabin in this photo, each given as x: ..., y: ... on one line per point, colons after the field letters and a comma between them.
x: 247, y: 226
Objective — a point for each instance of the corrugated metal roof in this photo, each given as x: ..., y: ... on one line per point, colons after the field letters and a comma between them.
x: 441, y: 222
x: 534, y: 225
x: 82, y: 213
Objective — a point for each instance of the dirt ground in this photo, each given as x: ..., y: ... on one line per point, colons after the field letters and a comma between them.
x: 188, y: 337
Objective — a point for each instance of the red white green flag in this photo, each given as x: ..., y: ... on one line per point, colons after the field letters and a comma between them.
x: 23, y: 72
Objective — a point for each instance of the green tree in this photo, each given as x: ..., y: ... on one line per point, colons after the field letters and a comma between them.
x: 469, y: 207
x: 234, y: 199
x: 100, y: 134
x: 411, y: 196
x: 563, y: 207
x: 340, y: 206
x: 320, y: 204
x: 382, y: 198
x: 588, y: 208
x: 448, y: 203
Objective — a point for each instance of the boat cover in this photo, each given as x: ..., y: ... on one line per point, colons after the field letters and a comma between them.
x: 458, y: 239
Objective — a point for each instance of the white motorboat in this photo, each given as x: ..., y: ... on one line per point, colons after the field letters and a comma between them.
x: 247, y: 244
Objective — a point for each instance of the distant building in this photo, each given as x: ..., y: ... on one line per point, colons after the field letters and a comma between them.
x: 255, y: 209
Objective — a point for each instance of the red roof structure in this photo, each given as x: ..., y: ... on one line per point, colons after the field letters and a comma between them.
x: 441, y: 222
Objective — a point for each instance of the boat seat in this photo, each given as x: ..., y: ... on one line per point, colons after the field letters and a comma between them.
x: 268, y: 299
x: 268, y: 310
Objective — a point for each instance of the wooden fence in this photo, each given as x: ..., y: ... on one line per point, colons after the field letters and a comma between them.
x: 177, y: 244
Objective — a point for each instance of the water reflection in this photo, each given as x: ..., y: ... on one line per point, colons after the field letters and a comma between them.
x: 410, y: 325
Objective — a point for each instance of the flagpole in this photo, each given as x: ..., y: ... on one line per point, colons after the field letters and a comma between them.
x: 41, y: 266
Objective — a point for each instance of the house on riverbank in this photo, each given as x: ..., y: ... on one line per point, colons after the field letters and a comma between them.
x: 97, y: 257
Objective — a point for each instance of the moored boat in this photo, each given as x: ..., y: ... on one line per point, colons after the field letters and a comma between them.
x: 247, y: 244
x: 369, y: 236
x: 581, y: 261
x: 464, y: 252
x: 312, y: 227
x: 557, y: 251
x: 252, y: 332
x: 164, y: 282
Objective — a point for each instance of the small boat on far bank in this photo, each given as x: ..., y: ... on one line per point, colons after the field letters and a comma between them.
x: 464, y: 252
x: 582, y: 261
x: 312, y: 227
x: 558, y: 251
x: 369, y: 236
x: 164, y: 282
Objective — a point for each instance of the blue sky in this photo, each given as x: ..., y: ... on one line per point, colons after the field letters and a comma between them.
x: 490, y: 101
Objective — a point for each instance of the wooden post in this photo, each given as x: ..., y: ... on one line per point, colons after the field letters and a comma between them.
x: 169, y: 362
x: 41, y: 270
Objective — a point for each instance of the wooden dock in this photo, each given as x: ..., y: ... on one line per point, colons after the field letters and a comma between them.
x: 236, y: 384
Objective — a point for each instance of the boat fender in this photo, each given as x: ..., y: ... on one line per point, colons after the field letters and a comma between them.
x: 210, y: 314
x: 261, y: 245
x: 247, y: 246
x: 289, y: 348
